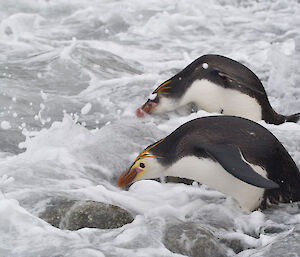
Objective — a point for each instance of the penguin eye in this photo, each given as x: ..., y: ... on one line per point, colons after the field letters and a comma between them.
x: 142, y: 165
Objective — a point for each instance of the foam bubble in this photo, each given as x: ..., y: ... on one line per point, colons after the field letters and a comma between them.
x: 5, y: 125
x: 86, y: 109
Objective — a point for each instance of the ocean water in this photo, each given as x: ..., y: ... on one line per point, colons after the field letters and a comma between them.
x: 72, y: 74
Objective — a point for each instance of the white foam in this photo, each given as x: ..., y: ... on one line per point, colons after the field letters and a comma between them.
x: 5, y: 124
x: 112, y: 54
x: 152, y: 96
x: 44, y: 95
x: 204, y: 65
x: 86, y: 109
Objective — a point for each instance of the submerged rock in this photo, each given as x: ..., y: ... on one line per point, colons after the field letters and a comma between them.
x: 74, y: 215
x: 235, y: 244
x: 288, y: 246
x: 56, y: 211
x: 192, y: 239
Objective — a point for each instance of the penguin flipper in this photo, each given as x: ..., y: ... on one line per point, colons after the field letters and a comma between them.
x: 293, y: 118
x: 230, y: 158
x: 237, y: 82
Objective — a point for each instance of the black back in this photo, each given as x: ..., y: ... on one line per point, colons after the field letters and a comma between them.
x: 257, y: 144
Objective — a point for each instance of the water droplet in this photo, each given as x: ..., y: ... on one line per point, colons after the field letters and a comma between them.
x: 204, y: 65
x: 5, y: 125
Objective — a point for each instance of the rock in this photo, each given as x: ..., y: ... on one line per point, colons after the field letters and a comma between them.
x: 74, y: 215
x: 192, y: 239
x: 273, y: 229
x: 287, y: 246
x: 96, y: 215
x: 56, y: 210
x: 235, y: 244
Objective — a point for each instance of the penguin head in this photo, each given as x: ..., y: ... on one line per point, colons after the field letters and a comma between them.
x: 167, y: 96
x: 162, y: 99
x: 145, y: 166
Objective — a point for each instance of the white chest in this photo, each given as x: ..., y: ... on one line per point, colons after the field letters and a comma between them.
x: 213, y: 175
x: 213, y: 98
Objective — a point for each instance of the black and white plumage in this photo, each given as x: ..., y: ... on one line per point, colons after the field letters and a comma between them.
x: 216, y: 84
x: 233, y: 155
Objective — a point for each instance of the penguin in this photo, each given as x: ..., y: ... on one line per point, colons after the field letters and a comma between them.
x: 232, y: 155
x: 216, y: 84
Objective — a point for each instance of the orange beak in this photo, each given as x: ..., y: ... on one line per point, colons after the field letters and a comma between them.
x: 127, y: 177
x: 149, y: 106
x: 146, y: 108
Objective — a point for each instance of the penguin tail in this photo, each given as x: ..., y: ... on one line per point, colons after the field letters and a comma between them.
x: 293, y: 118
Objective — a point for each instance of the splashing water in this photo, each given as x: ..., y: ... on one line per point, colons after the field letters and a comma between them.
x: 72, y: 75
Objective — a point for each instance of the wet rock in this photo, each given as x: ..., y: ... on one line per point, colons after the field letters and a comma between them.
x: 288, y: 246
x: 235, y: 244
x: 96, y: 215
x: 56, y: 210
x: 274, y: 229
x: 192, y: 239
x: 74, y: 215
